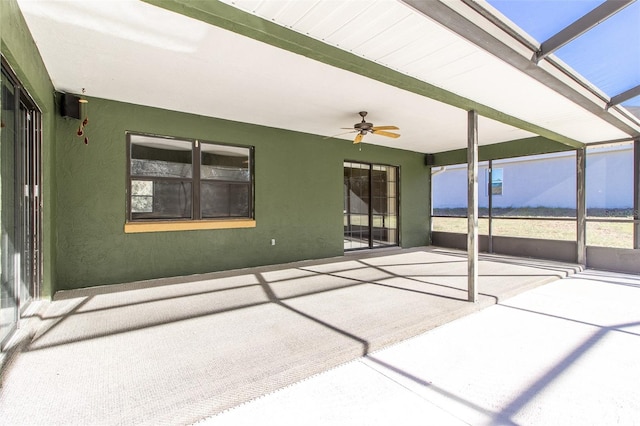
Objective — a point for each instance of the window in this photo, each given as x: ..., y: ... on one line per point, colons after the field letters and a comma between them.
x: 188, y: 180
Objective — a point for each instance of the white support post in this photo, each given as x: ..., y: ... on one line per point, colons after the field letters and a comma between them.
x: 472, y: 206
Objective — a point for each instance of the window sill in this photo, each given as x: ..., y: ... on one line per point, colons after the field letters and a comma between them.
x: 187, y: 225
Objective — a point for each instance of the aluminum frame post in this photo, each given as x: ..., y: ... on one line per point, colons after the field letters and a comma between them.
x: 472, y: 206
x: 581, y: 207
x: 636, y: 193
x: 624, y: 96
x: 490, y: 206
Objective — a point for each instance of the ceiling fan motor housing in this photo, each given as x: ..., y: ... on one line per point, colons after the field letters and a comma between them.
x: 363, y: 126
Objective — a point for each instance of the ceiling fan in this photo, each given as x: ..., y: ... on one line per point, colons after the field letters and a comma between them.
x: 362, y: 128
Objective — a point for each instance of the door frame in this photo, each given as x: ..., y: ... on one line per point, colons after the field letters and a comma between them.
x: 370, y: 210
x: 27, y: 183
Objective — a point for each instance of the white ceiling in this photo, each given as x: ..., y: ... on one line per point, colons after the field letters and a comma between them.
x: 131, y: 51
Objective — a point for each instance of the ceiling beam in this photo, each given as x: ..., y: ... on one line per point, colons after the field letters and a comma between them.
x: 467, y: 29
x: 624, y: 96
x: 517, y: 148
x: 579, y: 27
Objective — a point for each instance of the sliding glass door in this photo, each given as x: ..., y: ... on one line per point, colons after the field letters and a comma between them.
x: 370, y: 205
x: 20, y: 216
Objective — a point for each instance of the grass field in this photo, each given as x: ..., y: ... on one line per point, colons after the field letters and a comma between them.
x: 604, y: 234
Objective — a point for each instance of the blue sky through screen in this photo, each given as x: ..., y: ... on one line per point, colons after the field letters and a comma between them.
x: 608, y: 55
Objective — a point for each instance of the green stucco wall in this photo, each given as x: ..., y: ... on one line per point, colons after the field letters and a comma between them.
x: 21, y: 52
x: 298, y: 198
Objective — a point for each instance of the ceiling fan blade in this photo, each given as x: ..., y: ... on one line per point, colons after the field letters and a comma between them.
x: 385, y: 128
x: 339, y: 134
x: 358, y: 138
x: 383, y: 133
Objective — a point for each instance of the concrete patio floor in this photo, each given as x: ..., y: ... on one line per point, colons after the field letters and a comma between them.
x: 565, y: 353
x: 321, y: 340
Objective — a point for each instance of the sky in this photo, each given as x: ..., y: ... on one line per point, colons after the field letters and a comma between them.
x: 608, y: 55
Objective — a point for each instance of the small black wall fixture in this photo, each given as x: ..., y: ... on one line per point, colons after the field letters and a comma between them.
x: 75, y: 107
x: 429, y: 160
x: 70, y: 106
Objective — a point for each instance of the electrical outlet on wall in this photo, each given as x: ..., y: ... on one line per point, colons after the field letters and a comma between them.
x: 273, y: 241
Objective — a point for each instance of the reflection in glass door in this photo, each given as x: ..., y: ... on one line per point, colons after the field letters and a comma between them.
x: 20, y: 213
x: 8, y: 208
x: 370, y: 206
